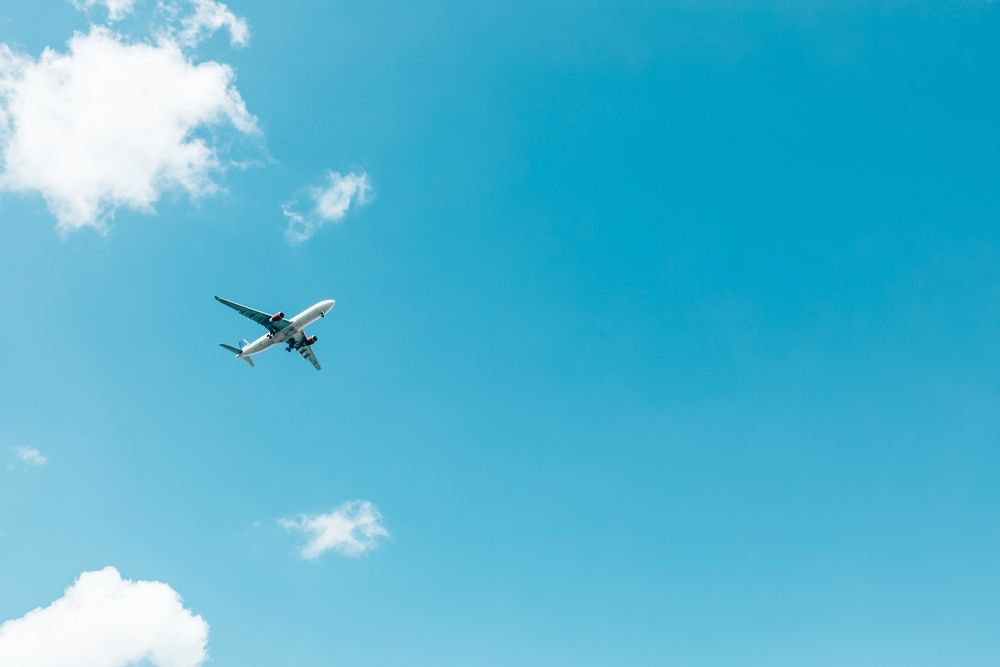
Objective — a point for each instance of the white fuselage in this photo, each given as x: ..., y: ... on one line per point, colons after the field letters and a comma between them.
x: 295, y: 331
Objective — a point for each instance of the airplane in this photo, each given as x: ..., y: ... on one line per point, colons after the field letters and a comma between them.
x: 279, y: 330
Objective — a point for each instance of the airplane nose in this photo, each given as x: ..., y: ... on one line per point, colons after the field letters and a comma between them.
x: 328, y: 305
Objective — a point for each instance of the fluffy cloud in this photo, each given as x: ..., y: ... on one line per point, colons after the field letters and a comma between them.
x: 330, y: 204
x: 352, y: 530
x: 114, y: 123
x: 104, y: 621
x: 30, y: 456
x: 117, y: 9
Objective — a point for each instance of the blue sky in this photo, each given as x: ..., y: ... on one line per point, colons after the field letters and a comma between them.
x: 667, y: 337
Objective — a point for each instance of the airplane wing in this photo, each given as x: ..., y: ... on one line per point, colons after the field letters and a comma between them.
x: 257, y: 316
x: 307, y: 353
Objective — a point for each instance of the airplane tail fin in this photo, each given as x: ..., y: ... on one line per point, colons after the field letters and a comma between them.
x: 238, y: 351
x: 244, y: 343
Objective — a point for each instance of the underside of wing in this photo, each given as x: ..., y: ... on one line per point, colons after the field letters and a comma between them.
x: 307, y: 354
x: 257, y: 316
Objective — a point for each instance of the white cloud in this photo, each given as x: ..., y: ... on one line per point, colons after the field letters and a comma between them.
x: 117, y: 9
x: 112, y: 123
x: 352, y: 529
x: 331, y: 204
x: 104, y: 621
x: 208, y: 17
x: 30, y: 456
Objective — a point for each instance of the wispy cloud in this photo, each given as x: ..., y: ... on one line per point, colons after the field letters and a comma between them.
x: 330, y: 204
x: 29, y: 455
x: 117, y: 9
x: 105, y: 621
x: 208, y: 17
x: 113, y: 122
x: 198, y: 18
x: 352, y: 529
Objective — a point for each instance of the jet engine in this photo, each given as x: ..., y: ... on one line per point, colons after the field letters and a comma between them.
x: 276, y: 317
x: 311, y: 340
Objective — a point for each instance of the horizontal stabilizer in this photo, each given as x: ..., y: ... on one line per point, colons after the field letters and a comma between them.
x: 237, y: 352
